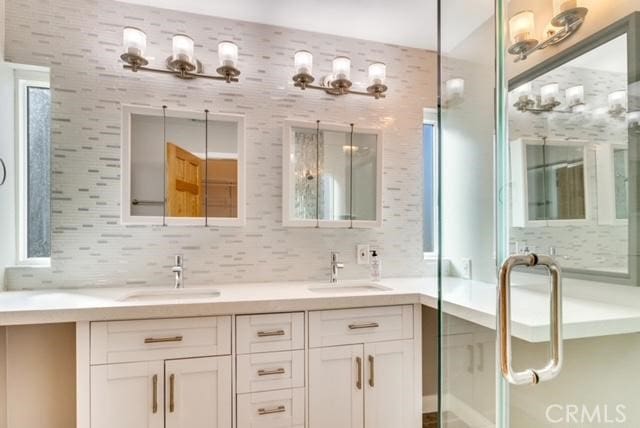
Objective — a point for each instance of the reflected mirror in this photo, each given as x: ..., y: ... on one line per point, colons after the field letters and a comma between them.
x: 569, y: 161
x: 332, y: 177
x: 182, y: 167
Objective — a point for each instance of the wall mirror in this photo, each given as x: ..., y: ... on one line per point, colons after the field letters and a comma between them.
x: 332, y: 176
x: 573, y: 138
x: 182, y: 167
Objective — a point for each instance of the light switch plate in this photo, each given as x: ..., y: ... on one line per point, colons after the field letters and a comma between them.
x: 466, y: 268
x: 362, y: 254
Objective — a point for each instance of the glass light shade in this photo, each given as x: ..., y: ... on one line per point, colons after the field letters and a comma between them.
x: 377, y: 73
x: 523, y: 90
x: 134, y: 41
x: 575, y: 95
x: 183, y: 48
x: 342, y: 68
x: 618, y: 100
x: 227, y: 54
x: 560, y: 6
x: 549, y: 93
x: 522, y: 26
x: 633, y: 119
x: 454, y: 88
x: 303, y: 61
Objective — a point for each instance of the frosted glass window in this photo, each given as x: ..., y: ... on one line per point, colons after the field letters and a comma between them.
x: 38, y: 115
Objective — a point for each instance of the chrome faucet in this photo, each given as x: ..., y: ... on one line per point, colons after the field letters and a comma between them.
x: 335, y: 265
x: 178, y: 270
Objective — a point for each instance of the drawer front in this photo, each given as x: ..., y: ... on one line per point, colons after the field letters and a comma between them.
x: 361, y: 325
x: 269, y: 332
x: 159, y: 339
x: 269, y: 371
x: 273, y: 409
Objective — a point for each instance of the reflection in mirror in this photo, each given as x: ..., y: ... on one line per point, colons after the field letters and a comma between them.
x: 331, y: 177
x: 569, y: 162
x: 192, y: 163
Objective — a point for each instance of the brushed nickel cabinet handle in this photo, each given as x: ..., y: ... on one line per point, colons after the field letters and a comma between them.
x: 364, y: 325
x: 154, y: 405
x: 172, y: 404
x: 265, y: 372
x: 359, y: 368
x: 269, y: 333
x: 163, y: 339
x: 372, y: 371
x: 264, y: 411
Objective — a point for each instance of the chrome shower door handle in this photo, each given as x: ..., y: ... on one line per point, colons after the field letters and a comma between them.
x: 554, y: 365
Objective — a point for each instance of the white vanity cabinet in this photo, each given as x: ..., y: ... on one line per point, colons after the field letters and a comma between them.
x: 367, y: 377
x: 347, y: 368
x: 169, y: 373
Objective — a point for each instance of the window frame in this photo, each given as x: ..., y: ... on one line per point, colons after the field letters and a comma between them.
x: 431, y: 119
x: 22, y: 83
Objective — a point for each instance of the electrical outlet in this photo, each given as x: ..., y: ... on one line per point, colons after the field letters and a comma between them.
x: 466, y: 268
x: 363, y: 254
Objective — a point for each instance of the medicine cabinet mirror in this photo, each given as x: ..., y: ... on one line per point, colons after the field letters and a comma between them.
x: 182, y: 167
x: 573, y: 125
x: 332, y: 176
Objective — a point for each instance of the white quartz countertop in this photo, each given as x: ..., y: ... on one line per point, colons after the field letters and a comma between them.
x: 473, y: 301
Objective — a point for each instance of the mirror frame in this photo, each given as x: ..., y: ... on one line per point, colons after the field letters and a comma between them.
x: 629, y: 25
x: 125, y: 170
x: 287, y: 142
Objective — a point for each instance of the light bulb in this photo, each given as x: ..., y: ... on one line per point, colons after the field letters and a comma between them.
x: 303, y: 61
x: 454, y: 88
x: 341, y: 68
x: 377, y: 73
x: 575, y: 95
x: 183, y: 48
x: 227, y: 54
x: 549, y: 93
x: 134, y: 41
x: 522, y: 26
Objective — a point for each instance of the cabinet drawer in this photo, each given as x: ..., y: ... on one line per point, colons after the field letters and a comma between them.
x: 274, y: 409
x: 269, y: 332
x: 159, y: 339
x: 361, y: 325
x: 274, y: 370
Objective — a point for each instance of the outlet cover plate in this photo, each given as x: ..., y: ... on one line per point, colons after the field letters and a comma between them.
x: 362, y: 254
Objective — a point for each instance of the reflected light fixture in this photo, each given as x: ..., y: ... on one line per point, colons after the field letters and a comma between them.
x: 182, y: 63
x: 633, y: 119
x: 617, y: 103
x: 453, y: 91
x: 568, y: 16
x: 339, y: 82
x: 574, y: 97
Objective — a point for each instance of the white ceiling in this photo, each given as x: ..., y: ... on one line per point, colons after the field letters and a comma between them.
x: 411, y: 23
x: 611, y: 57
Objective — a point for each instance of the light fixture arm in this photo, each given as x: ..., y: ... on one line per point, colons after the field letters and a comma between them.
x: 182, y: 74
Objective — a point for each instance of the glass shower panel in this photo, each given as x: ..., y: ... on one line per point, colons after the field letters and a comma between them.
x: 466, y: 217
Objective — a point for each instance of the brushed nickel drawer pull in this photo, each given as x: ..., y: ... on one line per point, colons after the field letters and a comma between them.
x: 163, y: 339
x: 154, y: 405
x: 269, y: 333
x: 359, y: 368
x: 172, y: 382
x: 372, y: 372
x: 263, y: 411
x: 263, y: 372
x: 364, y: 325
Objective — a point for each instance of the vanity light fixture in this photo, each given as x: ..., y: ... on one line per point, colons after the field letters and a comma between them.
x: 569, y: 15
x: 453, y: 91
x: 574, y: 97
x: 618, y: 103
x: 633, y: 119
x: 339, y: 82
x: 182, y: 63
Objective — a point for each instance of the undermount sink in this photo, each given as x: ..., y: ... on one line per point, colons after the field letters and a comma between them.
x: 348, y: 288
x: 170, y: 294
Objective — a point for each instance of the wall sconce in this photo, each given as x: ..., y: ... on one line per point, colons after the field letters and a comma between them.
x: 453, y: 91
x: 182, y: 63
x: 547, y: 101
x: 618, y: 103
x: 339, y: 82
x: 568, y: 17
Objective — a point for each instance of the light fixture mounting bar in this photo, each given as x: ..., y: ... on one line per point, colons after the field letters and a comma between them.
x: 180, y: 74
x: 339, y: 91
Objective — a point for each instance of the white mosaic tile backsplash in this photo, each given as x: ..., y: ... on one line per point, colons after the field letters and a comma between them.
x: 591, y: 245
x: 81, y: 41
